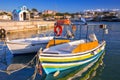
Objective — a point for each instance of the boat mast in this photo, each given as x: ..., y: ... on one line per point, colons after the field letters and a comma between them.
x: 85, y: 23
x: 54, y: 33
x: 80, y: 27
x: 86, y: 32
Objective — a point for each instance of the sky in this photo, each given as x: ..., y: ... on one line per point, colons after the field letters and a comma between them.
x: 60, y: 5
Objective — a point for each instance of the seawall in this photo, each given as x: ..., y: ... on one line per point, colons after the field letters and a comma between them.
x: 15, y: 26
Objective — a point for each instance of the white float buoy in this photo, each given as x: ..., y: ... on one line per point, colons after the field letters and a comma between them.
x: 56, y: 73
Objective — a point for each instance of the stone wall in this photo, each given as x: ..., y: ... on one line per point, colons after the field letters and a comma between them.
x: 13, y: 26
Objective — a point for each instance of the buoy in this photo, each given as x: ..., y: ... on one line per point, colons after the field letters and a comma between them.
x: 39, y: 67
x: 56, y: 73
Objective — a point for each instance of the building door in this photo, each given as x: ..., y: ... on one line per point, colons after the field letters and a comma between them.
x: 24, y: 16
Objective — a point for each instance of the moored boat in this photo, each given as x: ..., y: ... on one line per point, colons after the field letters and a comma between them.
x: 28, y: 45
x: 66, y: 55
x: 72, y: 54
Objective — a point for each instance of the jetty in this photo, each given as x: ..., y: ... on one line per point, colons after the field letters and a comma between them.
x: 15, y: 26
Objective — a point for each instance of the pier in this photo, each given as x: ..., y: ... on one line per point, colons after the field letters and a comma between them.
x: 15, y: 26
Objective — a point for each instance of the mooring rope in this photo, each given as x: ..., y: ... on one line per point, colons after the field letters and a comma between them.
x: 30, y: 62
x: 36, y: 66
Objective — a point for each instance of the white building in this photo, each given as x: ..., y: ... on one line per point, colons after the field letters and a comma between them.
x: 21, y: 14
x: 5, y: 17
x: 49, y: 12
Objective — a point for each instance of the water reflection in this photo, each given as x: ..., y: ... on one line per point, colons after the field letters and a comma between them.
x: 86, y: 72
x: 27, y: 34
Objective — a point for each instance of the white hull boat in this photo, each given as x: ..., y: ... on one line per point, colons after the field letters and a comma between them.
x: 28, y: 45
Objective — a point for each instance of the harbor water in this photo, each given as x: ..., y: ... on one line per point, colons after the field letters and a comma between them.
x: 108, y: 68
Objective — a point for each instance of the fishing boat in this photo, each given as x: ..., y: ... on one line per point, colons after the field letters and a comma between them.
x: 57, y: 58
x: 31, y: 45
x: 28, y: 45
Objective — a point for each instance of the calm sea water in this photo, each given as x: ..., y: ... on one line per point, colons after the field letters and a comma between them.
x: 109, y: 70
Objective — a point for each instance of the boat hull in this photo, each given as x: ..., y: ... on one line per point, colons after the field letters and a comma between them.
x: 28, y: 45
x: 77, y: 72
x: 17, y: 49
x: 52, y: 63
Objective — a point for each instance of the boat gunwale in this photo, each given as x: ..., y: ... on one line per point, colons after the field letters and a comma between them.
x: 70, y: 54
x: 27, y: 43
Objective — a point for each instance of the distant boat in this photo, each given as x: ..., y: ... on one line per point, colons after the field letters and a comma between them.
x: 28, y: 45
x: 75, y: 53
x: 89, y: 19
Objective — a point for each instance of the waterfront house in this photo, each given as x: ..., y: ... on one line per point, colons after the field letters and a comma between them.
x: 49, y: 12
x: 21, y: 14
x: 5, y: 17
x: 76, y: 17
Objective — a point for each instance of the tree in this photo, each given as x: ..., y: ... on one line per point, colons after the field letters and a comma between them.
x: 34, y: 10
x: 47, y: 15
x: 66, y: 13
x: 3, y: 13
x: 59, y: 14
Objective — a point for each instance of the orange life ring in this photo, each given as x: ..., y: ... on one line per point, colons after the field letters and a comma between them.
x: 58, y: 30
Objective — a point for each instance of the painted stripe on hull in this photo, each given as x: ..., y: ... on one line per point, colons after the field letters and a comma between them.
x: 55, y: 67
x: 46, y: 59
x: 66, y: 59
x: 50, y: 70
x: 61, y: 65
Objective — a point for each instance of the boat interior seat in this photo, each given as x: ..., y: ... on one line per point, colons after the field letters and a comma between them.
x: 65, y: 48
x: 68, y: 49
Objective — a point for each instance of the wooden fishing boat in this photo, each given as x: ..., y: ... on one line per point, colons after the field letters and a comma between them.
x: 28, y: 45
x: 71, y: 54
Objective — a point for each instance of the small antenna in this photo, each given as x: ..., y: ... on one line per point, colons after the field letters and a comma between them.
x: 85, y: 22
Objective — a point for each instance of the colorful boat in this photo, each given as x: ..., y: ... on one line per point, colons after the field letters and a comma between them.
x: 71, y: 54
x: 63, y: 56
